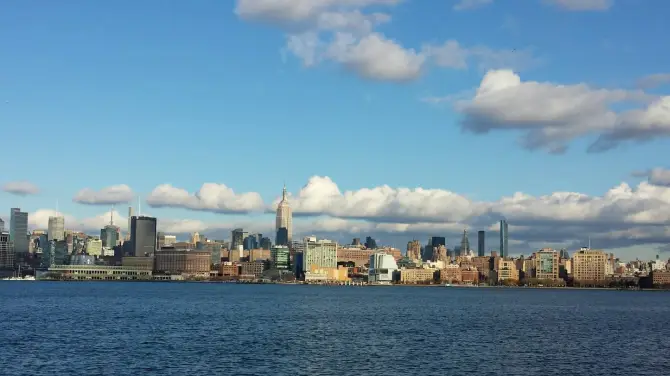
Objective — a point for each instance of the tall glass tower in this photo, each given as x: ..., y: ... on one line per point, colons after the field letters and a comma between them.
x: 504, y: 239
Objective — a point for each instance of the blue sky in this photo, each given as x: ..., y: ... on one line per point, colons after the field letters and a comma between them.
x: 146, y: 93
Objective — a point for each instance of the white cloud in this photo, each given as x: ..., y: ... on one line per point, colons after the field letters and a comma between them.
x: 116, y: 194
x: 376, y: 57
x: 637, y: 125
x: 210, y: 197
x: 582, y: 5
x: 21, y: 188
x: 653, y: 80
x: 343, y: 32
x: 551, y: 115
x: 471, y: 4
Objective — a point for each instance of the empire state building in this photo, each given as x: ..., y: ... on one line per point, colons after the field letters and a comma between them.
x: 284, y: 219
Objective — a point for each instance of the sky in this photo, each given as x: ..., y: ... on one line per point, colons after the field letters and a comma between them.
x: 397, y: 119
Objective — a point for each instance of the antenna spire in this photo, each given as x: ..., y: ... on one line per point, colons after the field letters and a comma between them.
x: 111, y: 216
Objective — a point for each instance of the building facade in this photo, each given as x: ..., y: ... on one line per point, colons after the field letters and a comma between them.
x: 193, y: 263
x: 143, y: 235
x: 56, y: 228
x: 320, y: 253
x: 110, y: 236
x: 414, y: 250
x: 382, y: 268
x: 6, y: 251
x: 280, y: 256
x: 18, y: 230
x: 284, y: 217
x: 588, y: 265
x: 481, y: 243
x: 546, y: 264
x: 504, y: 239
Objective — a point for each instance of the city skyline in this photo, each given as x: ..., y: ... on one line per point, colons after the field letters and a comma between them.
x: 430, y: 118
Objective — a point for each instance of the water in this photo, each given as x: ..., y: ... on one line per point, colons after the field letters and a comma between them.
x: 179, y: 328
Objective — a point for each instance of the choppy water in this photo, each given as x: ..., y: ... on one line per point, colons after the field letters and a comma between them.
x: 103, y: 328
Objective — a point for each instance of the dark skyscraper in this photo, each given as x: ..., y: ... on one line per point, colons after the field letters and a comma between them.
x: 465, y: 244
x: 504, y: 239
x: 282, y: 236
x: 370, y: 243
x: 18, y: 230
x: 481, y: 243
x: 437, y: 241
x: 143, y: 235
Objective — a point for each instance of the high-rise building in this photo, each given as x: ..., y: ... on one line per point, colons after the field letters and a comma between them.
x: 94, y: 247
x: 589, y: 265
x: 318, y: 254
x: 237, y: 238
x: 284, y: 216
x: 195, y: 238
x: 110, y: 236
x: 414, y: 250
x: 370, y: 243
x: 130, y: 217
x: 504, y: 239
x: 6, y: 251
x: 282, y: 236
x: 438, y: 240
x: 251, y: 242
x: 143, y: 235
x: 546, y: 264
x: 2, y: 225
x: 18, y: 230
x: 56, y: 229
x: 481, y: 243
x: 280, y: 255
x: 465, y: 244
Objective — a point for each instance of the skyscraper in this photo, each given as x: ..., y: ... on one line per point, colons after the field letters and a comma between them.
x: 465, y: 243
x: 130, y: 216
x: 282, y: 236
x: 18, y: 230
x: 504, y: 238
x: 237, y: 238
x: 56, y: 230
x: 481, y: 243
x: 284, y: 216
x: 370, y: 243
x: 143, y: 235
x: 2, y: 225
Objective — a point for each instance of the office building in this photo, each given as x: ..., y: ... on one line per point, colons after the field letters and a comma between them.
x: 250, y: 242
x: 319, y: 254
x: 56, y: 229
x: 370, y: 243
x: 192, y: 263
x: 589, y: 265
x: 110, y: 236
x: 18, y: 230
x: 6, y: 251
x: 166, y: 240
x: 282, y: 236
x: 465, y: 244
x: 280, y: 257
x: 2, y: 225
x: 131, y: 214
x: 546, y: 264
x: 94, y: 247
x: 237, y: 238
x: 481, y: 243
x: 504, y: 239
x: 195, y: 238
x: 284, y: 217
x: 414, y: 250
x: 143, y: 236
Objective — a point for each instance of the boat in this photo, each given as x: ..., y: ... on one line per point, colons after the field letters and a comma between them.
x: 18, y: 277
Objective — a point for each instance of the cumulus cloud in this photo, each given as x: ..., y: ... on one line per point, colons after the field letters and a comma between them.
x: 582, y: 5
x: 21, y: 188
x: 656, y: 176
x: 116, y: 194
x: 212, y: 197
x: 346, y: 33
x: 550, y: 115
x: 653, y: 80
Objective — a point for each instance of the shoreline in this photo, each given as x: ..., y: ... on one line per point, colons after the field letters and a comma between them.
x: 234, y: 282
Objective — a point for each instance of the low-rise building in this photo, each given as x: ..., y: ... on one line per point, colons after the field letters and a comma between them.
x: 229, y: 269
x: 417, y: 276
x: 660, y: 277
x: 451, y: 274
x: 589, y: 265
x: 252, y: 269
x: 95, y: 272
x: 189, y: 263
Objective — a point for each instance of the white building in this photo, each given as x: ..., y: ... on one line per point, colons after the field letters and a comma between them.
x: 658, y: 264
x: 319, y: 254
x: 94, y: 247
x: 56, y: 228
x: 382, y: 267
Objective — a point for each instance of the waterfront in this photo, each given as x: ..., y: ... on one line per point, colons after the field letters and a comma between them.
x: 153, y: 328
